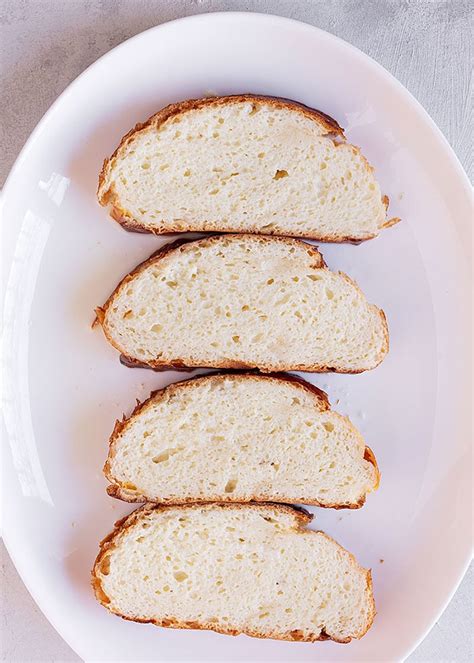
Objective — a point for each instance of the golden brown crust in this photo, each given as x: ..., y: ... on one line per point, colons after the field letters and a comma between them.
x: 181, y: 366
x: 302, y: 519
x: 108, y: 197
x: 185, y: 363
x: 119, y: 491
x: 391, y: 222
x: 178, y: 365
x: 386, y: 346
x: 290, y: 636
x: 370, y: 457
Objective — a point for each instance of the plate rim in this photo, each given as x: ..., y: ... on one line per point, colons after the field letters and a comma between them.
x: 9, y: 538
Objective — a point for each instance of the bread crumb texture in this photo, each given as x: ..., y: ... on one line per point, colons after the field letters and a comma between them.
x: 240, y: 438
x: 243, y: 164
x: 243, y: 301
x: 234, y: 569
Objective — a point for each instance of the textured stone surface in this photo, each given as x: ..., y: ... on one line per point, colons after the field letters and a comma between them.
x: 47, y: 43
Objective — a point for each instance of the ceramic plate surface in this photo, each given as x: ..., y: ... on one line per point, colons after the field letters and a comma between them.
x: 65, y: 386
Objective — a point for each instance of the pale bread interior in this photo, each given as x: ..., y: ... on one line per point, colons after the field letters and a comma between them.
x: 239, y: 569
x: 244, y: 166
x: 240, y: 438
x: 233, y: 301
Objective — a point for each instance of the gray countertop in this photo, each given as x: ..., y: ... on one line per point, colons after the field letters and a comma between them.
x: 47, y: 43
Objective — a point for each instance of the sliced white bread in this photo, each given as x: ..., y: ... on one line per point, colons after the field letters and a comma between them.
x: 252, y: 569
x: 243, y: 164
x: 239, y: 438
x: 243, y: 301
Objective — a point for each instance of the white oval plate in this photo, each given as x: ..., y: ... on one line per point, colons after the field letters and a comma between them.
x: 65, y: 386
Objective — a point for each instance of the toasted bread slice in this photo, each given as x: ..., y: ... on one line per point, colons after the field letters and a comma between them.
x: 238, y: 438
x: 243, y: 301
x: 243, y: 164
x: 242, y: 568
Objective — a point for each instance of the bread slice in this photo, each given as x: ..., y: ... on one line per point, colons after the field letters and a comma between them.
x: 243, y: 301
x: 252, y: 569
x: 238, y: 438
x: 243, y: 164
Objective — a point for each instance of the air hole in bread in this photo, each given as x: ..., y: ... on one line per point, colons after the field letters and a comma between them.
x: 230, y: 486
x: 104, y: 566
x: 269, y: 519
x: 165, y: 455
